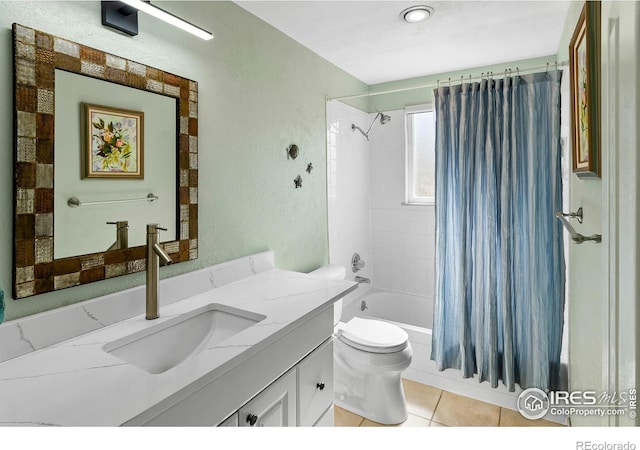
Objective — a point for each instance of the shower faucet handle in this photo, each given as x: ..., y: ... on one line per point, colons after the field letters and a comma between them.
x: 357, y: 263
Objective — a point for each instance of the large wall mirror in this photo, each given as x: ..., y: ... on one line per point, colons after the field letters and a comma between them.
x: 103, y: 146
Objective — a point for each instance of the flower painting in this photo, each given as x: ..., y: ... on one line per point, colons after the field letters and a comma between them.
x: 583, y: 105
x: 585, y: 92
x: 114, y: 143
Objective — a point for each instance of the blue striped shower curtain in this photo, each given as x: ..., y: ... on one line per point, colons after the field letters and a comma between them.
x: 499, y: 254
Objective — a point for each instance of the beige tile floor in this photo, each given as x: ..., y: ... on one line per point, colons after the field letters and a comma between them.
x: 432, y: 407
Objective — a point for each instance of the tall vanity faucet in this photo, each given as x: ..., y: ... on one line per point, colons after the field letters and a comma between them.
x: 122, y: 235
x: 155, y: 256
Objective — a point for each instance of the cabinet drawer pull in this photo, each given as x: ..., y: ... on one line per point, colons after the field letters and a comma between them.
x: 252, y: 419
x: 320, y: 386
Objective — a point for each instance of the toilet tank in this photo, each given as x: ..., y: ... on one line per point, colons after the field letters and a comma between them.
x: 332, y: 272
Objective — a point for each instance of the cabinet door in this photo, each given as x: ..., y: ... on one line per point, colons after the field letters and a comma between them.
x: 315, y: 384
x: 230, y: 421
x: 273, y: 407
x: 326, y: 420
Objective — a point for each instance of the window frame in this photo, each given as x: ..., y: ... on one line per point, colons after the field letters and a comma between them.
x: 409, y: 198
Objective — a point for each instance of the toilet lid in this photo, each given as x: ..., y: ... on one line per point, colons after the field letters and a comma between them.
x: 373, y: 336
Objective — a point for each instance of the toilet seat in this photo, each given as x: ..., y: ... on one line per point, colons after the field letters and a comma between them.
x: 372, y: 336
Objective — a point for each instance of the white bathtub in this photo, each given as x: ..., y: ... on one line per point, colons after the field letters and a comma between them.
x: 414, y: 314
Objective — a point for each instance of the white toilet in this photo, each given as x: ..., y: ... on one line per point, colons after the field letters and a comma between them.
x: 369, y: 357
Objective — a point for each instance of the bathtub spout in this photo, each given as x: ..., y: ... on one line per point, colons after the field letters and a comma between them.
x: 360, y: 279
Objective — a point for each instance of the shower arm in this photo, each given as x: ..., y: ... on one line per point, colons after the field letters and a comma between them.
x: 355, y: 127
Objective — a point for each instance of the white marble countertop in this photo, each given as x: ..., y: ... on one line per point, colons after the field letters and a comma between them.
x: 76, y: 383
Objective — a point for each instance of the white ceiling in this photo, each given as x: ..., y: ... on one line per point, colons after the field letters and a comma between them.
x: 369, y: 40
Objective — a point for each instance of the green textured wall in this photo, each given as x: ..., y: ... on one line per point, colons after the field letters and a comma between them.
x: 259, y: 91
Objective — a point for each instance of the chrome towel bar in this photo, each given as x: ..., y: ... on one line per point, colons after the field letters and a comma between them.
x: 73, y: 202
x: 575, y: 236
x: 573, y: 215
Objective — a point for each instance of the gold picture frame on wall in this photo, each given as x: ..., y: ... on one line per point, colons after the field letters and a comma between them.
x: 584, y: 60
x: 114, y: 145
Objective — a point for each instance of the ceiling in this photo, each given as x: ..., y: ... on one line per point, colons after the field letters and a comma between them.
x: 369, y: 40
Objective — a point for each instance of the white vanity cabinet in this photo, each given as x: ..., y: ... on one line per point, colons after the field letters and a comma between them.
x: 279, y: 368
x: 230, y: 421
x: 273, y: 407
x: 301, y: 397
x: 315, y: 385
x: 287, y: 383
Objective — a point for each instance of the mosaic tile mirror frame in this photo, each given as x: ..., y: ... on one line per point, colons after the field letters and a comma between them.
x: 36, y: 57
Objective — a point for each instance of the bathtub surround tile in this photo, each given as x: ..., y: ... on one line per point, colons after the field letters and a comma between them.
x: 412, y: 279
x: 349, y: 183
x: 381, y: 219
x: 422, y: 242
x: 382, y: 275
x: 399, y: 277
x: 381, y: 246
x: 456, y: 410
x: 401, y: 220
x: 419, y: 221
x: 423, y: 266
x: 344, y: 418
x: 410, y: 246
x: 397, y: 242
x: 422, y: 400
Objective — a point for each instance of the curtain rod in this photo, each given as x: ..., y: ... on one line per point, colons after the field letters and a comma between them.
x: 554, y: 65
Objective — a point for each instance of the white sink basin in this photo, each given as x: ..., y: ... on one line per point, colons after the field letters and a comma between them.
x: 159, y: 348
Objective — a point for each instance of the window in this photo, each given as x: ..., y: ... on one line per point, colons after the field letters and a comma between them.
x: 420, y: 126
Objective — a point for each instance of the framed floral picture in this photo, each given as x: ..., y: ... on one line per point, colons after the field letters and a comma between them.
x: 114, y: 143
x: 584, y: 60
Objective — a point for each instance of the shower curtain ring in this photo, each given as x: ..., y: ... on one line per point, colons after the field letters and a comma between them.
x: 518, y: 71
x: 556, y: 65
x: 547, y: 71
x: 449, y: 81
x: 437, y: 84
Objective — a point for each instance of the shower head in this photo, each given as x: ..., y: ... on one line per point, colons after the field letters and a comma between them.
x: 383, y: 119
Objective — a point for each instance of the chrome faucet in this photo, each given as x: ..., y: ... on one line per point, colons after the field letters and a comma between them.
x: 360, y: 279
x: 155, y: 256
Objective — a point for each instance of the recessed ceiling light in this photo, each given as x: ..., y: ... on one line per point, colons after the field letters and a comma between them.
x: 416, y: 14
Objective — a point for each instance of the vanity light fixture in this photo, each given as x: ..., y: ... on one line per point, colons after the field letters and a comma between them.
x: 122, y: 15
x: 416, y: 14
